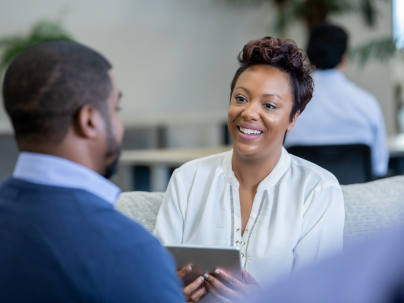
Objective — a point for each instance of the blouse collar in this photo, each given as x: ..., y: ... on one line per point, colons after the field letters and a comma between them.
x: 279, y: 170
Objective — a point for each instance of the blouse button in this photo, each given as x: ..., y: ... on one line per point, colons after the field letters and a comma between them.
x: 237, y: 229
x: 242, y: 255
x: 246, y: 230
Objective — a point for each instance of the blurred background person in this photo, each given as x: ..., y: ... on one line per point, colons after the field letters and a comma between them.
x: 340, y: 111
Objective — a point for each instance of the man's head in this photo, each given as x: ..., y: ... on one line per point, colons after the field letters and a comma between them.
x: 62, y: 99
x: 327, y: 46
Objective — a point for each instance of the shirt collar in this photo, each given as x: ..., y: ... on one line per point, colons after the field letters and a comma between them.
x: 329, y: 73
x: 56, y: 171
x: 279, y: 170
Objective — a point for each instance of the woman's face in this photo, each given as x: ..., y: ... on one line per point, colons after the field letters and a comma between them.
x: 259, y: 111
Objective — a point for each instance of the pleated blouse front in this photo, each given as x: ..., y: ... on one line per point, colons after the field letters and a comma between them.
x: 297, y: 216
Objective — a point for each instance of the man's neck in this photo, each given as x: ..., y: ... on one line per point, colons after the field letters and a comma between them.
x: 77, y: 153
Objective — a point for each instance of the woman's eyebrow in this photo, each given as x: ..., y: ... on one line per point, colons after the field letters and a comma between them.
x: 243, y: 88
x: 265, y: 95
x: 272, y: 95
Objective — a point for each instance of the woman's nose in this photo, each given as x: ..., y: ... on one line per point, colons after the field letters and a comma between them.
x: 251, y: 111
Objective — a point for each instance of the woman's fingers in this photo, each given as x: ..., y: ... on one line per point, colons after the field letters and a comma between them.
x: 198, y: 295
x: 229, y: 278
x: 183, y: 271
x: 223, y: 289
x: 215, y: 293
x: 248, y: 278
x: 190, y: 288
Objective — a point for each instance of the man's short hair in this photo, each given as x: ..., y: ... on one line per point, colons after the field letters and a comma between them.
x: 327, y: 44
x: 47, y: 84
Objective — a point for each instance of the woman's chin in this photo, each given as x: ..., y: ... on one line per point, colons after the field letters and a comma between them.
x: 246, y: 149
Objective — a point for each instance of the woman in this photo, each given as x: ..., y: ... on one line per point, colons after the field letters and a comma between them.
x: 282, y: 211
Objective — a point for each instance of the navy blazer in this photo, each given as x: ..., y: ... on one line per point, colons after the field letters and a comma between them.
x: 67, y: 245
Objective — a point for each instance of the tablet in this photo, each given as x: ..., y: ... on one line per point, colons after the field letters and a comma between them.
x: 205, y: 259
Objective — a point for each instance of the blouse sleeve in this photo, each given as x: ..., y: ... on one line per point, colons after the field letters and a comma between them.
x: 322, y: 228
x: 170, y: 218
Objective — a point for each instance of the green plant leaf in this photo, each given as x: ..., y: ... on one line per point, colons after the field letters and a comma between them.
x: 379, y: 49
x: 367, y: 9
x: 42, y: 31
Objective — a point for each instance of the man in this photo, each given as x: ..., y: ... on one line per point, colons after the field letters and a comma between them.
x: 60, y: 238
x: 372, y: 272
x: 340, y: 112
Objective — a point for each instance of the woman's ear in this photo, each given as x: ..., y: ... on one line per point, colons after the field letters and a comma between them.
x: 293, y: 122
x: 88, y: 122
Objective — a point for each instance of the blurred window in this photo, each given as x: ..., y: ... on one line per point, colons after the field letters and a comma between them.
x: 398, y: 22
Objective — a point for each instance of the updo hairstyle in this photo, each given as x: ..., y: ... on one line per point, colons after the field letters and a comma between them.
x: 285, y: 56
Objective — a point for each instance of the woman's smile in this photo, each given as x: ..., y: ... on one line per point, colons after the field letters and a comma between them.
x: 249, y: 132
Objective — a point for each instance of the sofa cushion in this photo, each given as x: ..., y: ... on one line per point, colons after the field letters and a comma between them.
x: 372, y: 208
x: 140, y: 206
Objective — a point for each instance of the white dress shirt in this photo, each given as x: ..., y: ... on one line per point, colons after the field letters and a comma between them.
x: 55, y: 171
x: 342, y: 113
x: 297, y: 216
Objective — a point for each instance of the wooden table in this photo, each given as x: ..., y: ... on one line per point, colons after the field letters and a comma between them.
x: 168, y: 157
x: 159, y: 161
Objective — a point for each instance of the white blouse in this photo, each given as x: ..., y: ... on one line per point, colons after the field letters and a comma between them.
x: 297, y: 216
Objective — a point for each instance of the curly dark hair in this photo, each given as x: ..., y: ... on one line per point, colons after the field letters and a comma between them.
x: 285, y: 56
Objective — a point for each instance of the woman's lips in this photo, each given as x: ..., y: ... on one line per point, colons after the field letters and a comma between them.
x: 248, y: 134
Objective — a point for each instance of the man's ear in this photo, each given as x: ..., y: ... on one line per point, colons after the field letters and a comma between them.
x: 293, y: 122
x: 88, y: 122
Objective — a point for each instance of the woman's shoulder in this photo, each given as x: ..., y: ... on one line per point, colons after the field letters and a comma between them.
x: 203, y: 165
x: 309, y: 170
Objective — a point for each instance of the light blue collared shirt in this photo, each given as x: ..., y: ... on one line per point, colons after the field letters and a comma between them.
x: 55, y: 171
x: 342, y: 113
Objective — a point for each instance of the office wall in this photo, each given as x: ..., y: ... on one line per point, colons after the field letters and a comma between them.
x: 169, y: 56
x: 174, y: 59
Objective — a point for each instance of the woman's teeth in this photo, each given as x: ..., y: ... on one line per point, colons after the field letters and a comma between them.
x: 248, y: 131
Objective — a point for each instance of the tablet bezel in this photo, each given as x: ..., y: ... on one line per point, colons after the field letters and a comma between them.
x: 205, y: 259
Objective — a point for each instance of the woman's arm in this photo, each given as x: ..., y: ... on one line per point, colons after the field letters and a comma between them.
x: 170, y: 219
x: 169, y: 230
x: 323, y: 226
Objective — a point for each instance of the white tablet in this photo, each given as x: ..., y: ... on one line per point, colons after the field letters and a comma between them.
x: 205, y: 259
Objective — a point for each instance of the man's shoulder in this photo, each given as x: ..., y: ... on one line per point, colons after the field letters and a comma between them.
x: 359, y: 91
x: 351, y: 91
x: 122, y: 260
x: 87, y: 212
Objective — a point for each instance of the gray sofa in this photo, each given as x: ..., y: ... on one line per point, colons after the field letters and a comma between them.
x: 370, y: 208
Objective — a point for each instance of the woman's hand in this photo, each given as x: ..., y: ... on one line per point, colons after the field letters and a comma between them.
x: 240, y: 291
x: 190, y: 291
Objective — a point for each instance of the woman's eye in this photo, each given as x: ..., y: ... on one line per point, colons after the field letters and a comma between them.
x: 269, y: 106
x: 241, y: 99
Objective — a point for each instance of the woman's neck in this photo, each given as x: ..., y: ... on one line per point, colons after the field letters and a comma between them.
x: 251, y: 170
